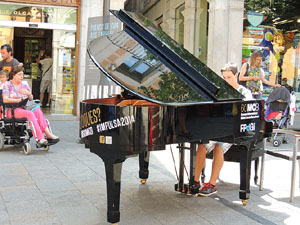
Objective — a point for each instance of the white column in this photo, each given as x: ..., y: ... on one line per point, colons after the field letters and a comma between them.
x: 225, y: 33
x: 189, y: 14
x: 89, y: 8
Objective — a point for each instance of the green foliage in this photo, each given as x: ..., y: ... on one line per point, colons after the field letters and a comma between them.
x: 146, y: 22
x: 171, y: 89
x: 273, y: 9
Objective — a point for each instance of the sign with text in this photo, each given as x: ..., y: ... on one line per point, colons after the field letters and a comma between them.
x: 96, y: 84
x: 51, y: 2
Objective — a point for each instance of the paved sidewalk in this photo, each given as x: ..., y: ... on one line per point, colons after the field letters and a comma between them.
x: 67, y: 186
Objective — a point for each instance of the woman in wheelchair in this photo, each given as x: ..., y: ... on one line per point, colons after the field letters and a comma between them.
x: 16, y: 90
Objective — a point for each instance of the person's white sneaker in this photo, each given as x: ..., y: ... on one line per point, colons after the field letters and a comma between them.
x: 43, y: 141
x: 53, y: 137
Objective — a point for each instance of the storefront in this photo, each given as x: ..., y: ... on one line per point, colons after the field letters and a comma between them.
x: 278, y: 38
x: 39, y: 25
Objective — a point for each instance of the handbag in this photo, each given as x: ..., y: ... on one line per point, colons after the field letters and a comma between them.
x: 30, y: 105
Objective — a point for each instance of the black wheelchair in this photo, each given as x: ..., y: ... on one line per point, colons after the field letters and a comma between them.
x: 17, y: 131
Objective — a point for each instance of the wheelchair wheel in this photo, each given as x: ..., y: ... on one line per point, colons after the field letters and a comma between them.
x: 47, y: 148
x: 276, y: 143
x: 1, y: 141
x: 27, y: 148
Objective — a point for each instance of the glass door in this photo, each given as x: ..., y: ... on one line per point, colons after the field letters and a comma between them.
x: 63, y: 83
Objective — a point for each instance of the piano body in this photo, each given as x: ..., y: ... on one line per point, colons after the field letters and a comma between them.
x: 169, y: 97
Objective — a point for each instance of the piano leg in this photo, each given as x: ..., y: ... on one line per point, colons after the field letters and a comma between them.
x: 180, y: 185
x: 193, y: 151
x: 113, y: 184
x: 245, y: 170
x: 144, y: 165
x: 256, y: 164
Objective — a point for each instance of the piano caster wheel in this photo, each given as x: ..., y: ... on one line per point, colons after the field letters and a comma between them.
x: 143, y: 181
x: 244, y: 202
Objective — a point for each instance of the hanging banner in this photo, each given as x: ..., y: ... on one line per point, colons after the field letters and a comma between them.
x: 254, y: 18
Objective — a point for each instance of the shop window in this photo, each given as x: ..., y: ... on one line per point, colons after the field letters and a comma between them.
x: 279, y: 41
x: 63, y: 85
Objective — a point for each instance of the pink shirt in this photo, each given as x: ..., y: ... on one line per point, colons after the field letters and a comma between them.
x: 9, y: 90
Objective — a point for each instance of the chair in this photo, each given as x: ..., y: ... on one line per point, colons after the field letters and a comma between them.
x: 288, y: 155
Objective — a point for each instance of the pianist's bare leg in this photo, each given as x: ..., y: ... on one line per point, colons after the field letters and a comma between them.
x: 200, y: 162
x: 219, y: 149
x: 217, y: 164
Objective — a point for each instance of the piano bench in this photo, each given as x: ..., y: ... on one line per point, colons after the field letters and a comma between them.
x: 288, y: 155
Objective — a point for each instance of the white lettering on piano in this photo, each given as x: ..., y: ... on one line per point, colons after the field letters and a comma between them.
x: 112, y: 124
x: 250, y: 115
x: 247, y: 127
x: 254, y: 107
x: 250, y: 111
x: 87, y: 132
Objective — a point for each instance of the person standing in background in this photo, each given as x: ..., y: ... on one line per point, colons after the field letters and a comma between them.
x: 253, y: 75
x: 46, y: 82
x: 8, y: 61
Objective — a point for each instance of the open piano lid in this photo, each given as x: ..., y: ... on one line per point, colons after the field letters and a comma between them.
x: 148, y: 63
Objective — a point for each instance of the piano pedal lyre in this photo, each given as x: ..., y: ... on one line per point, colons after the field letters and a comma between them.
x: 182, y: 188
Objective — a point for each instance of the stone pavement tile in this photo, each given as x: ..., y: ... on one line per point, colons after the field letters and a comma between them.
x: 2, y: 205
x: 82, y: 214
x: 272, y: 209
x: 91, y: 187
x: 26, y: 211
x: 11, y: 157
x: 129, y: 217
x: 4, y: 219
x: 37, y: 221
x: 15, y: 180
x: 12, y: 169
x: 43, y: 174
x: 100, y: 201
x: 158, y: 205
x: 54, y: 184
x: 65, y: 198
x: 131, y: 213
x: 178, y: 216
x: 24, y: 193
x: 79, y: 173
x: 12, y: 151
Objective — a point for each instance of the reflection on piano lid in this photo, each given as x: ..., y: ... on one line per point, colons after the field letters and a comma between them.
x: 147, y: 62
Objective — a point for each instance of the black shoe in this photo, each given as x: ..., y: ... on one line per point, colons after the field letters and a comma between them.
x: 53, y: 140
x: 195, y: 187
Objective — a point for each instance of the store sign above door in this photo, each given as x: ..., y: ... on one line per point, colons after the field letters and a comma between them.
x: 254, y: 18
x: 52, y: 2
x: 38, y: 14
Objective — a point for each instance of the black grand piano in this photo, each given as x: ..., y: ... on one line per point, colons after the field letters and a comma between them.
x: 168, y: 97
